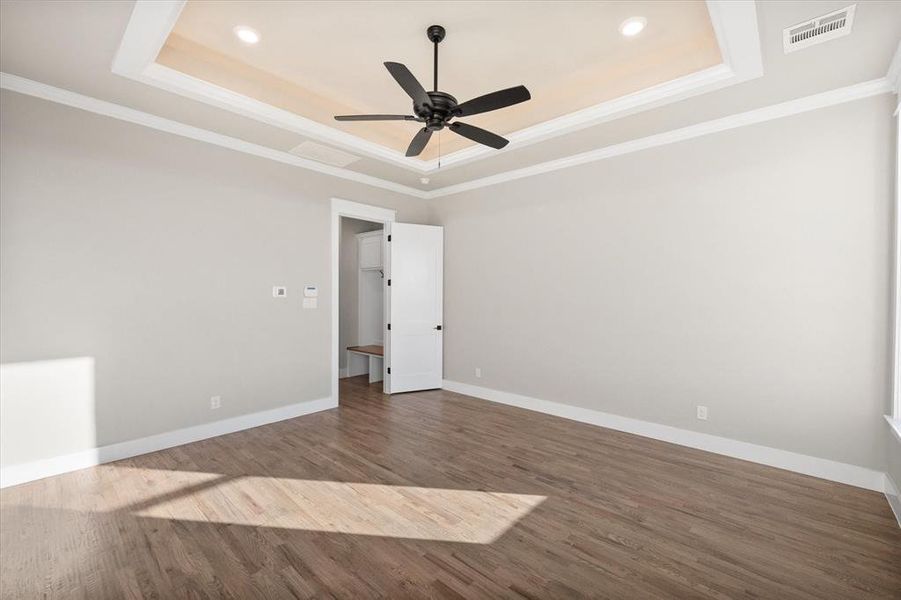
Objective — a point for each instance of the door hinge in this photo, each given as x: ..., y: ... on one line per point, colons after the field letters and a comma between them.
x: 389, y: 237
x: 389, y: 370
x: 438, y: 327
x: 389, y: 326
x: 389, y: 282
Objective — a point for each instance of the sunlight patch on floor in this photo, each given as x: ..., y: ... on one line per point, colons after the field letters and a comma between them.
x: 409, y: 512
x: 352, y: 508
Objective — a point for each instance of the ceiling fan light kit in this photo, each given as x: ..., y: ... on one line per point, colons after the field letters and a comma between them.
x: 436, y: 109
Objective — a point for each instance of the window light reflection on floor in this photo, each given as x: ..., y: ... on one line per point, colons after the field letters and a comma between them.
x: 409, y: 512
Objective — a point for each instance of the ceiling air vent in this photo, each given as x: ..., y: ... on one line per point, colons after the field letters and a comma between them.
x: 324, y: 154
x: 822, y: 29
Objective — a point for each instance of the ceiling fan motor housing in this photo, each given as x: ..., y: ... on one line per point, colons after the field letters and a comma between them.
x: 442, y: 109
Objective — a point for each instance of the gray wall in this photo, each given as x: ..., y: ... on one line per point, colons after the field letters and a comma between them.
x: 747, y: 271
x: 155, y: 256
x: 893, y: 459
x: 348, y: 316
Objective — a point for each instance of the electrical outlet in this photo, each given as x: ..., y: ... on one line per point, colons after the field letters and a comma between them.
x: 702, y: 412
x: 478, y: 371
x: 215, y: 402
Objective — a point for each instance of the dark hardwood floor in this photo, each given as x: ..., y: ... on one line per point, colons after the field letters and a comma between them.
x: 440, y: 495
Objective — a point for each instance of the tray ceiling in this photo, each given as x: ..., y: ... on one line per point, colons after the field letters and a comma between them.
x: 318, y: 59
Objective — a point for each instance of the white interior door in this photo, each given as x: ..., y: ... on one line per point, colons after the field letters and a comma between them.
x: 414, y: 305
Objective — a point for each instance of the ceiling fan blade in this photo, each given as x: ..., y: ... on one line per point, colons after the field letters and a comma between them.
x: 419, y: 142
x: 374, y: 118
x: 477, y: 134
x: 411, y: 85
x: 493, y: 101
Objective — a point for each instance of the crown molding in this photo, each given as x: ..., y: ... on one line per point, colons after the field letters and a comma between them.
x: 777, y: 111
x: 146, y: 33
x: 658, y: 95
x: 735, y: 26
x: 101, y: 107
x: 751, y: 117
x: 734, y: 23
x: 148, y: 28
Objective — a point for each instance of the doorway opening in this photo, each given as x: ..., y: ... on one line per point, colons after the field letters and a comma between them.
x: 399, y: 340
x: 361, y: 316
x: 353, y: 224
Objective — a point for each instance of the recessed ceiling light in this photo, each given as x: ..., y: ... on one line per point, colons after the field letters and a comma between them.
x: 632, y: 26
x: 248, y: 35
x: 424, y: 180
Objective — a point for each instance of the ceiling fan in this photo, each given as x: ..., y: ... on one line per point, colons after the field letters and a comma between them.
x: 436, y: 109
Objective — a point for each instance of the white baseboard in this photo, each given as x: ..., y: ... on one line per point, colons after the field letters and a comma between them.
x: 893, y: 495
x: 16, y: 474
x: 800, y: 463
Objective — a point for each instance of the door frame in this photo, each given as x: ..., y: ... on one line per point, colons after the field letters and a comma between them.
x: 354, y: 210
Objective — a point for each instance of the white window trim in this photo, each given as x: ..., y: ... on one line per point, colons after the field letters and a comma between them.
x: 894, y: 419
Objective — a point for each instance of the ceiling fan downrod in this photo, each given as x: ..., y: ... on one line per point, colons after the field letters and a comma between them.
x: 436, y: 33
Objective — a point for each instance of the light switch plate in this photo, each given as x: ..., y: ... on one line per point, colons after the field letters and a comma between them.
x: 279, y: 291
x: 310, y: 291
x: 310, y: 302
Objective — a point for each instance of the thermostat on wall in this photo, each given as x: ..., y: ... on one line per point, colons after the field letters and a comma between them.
x: 310, y: 291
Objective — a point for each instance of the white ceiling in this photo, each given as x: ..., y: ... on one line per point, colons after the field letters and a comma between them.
x: 71, y: 45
